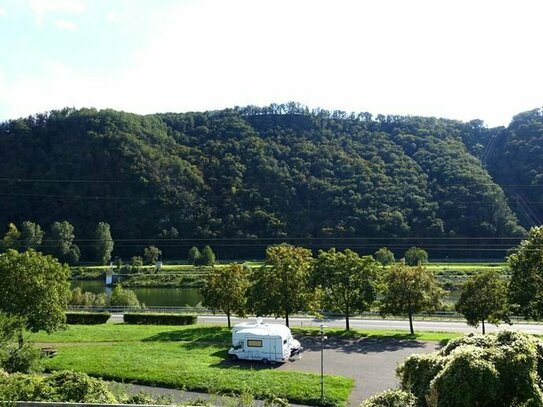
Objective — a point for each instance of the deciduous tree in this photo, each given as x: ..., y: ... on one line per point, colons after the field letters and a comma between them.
x: 348, y: 281
x: 384, y: 256
x: 193, y: 256
x: 281, y: 286
x: 526, y: 265
x: 35, y: 287
x: 61, y: 242
x: 484, y: 297
x: 408, y: 290
x: 11, y: 238
x: 225, y: 289
x: 103, y: 242
x: 31, y: 235
x: 151, y: 254
x: 415, y: 256
x: 207, y: 257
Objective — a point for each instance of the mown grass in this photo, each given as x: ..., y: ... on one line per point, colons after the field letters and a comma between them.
x: 190, y: 358
x: 201, y: 333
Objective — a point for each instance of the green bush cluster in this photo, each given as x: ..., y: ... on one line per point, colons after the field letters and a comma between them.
x: 123, y: 297
x: 87, y: 318
x: 497, y: 369
x: 66, y: 386
x: 391, y: 398
x: 159, y: 319
x: 87, y: 298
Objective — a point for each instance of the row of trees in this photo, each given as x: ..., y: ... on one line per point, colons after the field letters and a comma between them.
x: 291, y: 280
x: 59, y: 241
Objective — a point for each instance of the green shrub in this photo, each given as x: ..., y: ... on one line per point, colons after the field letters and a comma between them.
x: 159, y: 319
x: 122, y: 297
x: 468, y: 379
x: 22, y: 387
x: 79, y: 388
x: 26, y: 359
x: 391, y: 398
x: 143, y: 397
x: 87, y: 318
x: 495, y: 369
x: 416, y: 373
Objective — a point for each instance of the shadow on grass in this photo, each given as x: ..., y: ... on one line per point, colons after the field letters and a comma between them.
x: 196, y: 334
x: 226, y: 363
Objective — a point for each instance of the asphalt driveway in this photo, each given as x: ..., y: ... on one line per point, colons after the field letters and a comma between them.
x: 370, y: 362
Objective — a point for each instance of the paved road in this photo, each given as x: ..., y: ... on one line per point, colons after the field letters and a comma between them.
x: 384, y: 324
x: 378, y: 324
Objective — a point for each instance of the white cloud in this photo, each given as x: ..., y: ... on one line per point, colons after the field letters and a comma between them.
x: 456, y: 59
x: 113, y: 18
x: 41, y: 7
x: 2, y: 12
x: 65, y: 25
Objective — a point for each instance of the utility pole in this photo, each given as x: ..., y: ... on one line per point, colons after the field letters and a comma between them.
x: 323, y: 338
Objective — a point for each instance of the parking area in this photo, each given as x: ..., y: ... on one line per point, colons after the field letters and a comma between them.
x: 370, y: 362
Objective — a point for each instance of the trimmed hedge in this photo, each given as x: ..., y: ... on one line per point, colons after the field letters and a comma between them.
x: 141, y: 318
x: 87, y: 318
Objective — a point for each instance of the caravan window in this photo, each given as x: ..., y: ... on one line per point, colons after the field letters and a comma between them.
x: 254, y: 343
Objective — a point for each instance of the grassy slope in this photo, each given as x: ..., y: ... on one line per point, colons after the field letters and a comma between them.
x: 191, y: 358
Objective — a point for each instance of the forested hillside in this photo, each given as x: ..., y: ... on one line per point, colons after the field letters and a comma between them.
x: 278, y: 172
x: 516, y: 162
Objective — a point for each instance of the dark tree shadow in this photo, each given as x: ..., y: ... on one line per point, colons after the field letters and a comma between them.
x: 226, y: 363
x: 196, y: 334
x: 360, y: 345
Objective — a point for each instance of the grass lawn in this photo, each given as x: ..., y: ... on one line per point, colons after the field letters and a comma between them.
x: 502, y: 266
x: 184, y: 357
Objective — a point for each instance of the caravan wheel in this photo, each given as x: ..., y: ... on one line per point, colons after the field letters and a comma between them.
x: 234, y: 358
x: 265, y: 361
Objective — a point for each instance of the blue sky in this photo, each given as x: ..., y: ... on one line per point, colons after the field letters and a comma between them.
x: 457, y: 59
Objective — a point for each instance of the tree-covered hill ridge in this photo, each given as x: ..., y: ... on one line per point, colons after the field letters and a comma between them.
x: 278, y: 171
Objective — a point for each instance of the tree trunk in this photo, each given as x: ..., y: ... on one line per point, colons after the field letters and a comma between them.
x: 286, y: 317
x: 411, y: 322
x: 347, y: 327
x: 228, y: 317
x: 21, y: 340
x: 483, y: 321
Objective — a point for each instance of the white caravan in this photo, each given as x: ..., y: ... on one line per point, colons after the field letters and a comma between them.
x: 264, y: 342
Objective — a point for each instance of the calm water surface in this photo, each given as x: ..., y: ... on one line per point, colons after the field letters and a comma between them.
x: 154, y: 296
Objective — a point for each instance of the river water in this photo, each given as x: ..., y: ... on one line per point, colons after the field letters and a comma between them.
x: 152, y: 296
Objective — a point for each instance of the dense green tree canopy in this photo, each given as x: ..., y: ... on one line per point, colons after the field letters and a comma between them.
x: 282, y: 285
x: 384, y: 256
x: 415, y: 256
x: 484, y: 297
x: 225, y: 289
x: 348, y: 281
x: 526, y: 286
x: 34, y: 287
x: 409, y: 290
x: 103, y: 242
x: 252, y: 173
x: 31, y: 235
